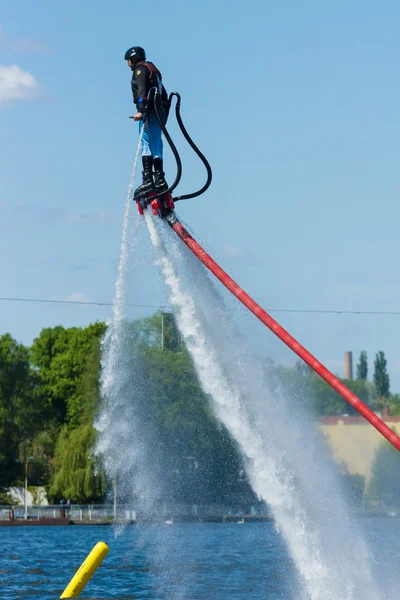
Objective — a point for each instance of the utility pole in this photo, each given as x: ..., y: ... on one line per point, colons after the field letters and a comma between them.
x: 26, y: 488
x: 115, y: 496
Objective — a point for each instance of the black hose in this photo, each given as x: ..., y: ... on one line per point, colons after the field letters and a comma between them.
x: 153, y: 97
x: 194, y: 147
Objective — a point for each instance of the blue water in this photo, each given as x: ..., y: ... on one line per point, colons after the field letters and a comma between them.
x: 174, y: 562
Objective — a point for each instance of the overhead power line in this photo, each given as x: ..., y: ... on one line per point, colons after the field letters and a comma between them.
x: 81, y: 302
x: 137, y: 305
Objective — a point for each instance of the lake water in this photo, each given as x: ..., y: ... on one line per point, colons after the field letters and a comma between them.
x: 175, y: 562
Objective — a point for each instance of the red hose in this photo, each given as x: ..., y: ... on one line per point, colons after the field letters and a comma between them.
x: 284, y: 335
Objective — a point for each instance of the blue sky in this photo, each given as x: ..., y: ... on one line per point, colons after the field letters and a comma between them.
x: 294, y: 103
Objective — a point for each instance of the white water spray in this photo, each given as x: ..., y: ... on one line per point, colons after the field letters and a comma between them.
x: 128, y: 442
x: 116, y: 424
x: 110, y: 346
x: 286, y: 471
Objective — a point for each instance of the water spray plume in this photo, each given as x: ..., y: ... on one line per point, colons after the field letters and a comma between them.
x: 282, y: 334
x: 287, y: 472
x: 116, y: 369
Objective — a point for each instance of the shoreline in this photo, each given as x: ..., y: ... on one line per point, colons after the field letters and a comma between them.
x: 239, y: 520
x: 65, y: 521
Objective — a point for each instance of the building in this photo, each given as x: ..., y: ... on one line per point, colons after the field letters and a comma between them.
x: 354, y: 441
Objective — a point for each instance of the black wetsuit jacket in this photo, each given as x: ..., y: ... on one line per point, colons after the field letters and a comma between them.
x: 145, y: 76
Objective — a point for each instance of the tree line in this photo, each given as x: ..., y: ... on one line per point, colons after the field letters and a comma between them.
x: 50, y: 397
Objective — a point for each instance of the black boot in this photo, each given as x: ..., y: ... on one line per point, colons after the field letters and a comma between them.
x: 159, y: 179
x: 147, y: 178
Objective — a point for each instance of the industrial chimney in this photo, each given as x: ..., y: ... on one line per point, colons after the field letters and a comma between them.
x: 348, y: 365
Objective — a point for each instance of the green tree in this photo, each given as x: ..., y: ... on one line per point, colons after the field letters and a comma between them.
x: 394, y: 404
x: 60, y: 357
x: 49, y: 397
x: 325, y: 401
x: 319, y: 395
x: 19, y: 410
x: 384, y: 485
x: 363, y: 389
x: 75, y: 475
x: 362, y: 367
x: 303, y: 368
x: 159, y: 330
x: 381, y: 377
x: 192, y: 450
x: 197, y: 458
x: 171, y: 335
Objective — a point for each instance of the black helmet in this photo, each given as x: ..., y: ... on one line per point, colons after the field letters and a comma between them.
x: 136, y: 53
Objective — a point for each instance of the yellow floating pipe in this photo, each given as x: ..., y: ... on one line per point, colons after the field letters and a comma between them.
x: 86, y: 570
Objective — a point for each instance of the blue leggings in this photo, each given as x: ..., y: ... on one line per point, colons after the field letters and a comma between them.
x: 151, y: 139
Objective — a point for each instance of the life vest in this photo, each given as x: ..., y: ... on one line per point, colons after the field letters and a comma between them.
x: 155, y: 75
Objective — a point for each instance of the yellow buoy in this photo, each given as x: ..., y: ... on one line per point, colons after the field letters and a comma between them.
x: 85, y: 571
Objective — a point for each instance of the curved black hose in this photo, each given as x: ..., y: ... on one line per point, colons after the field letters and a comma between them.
x: 194, y: 147
x: 153, y: 97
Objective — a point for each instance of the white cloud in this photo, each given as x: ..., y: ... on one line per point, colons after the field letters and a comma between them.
x: 75, y: 297
x: 16, y: 84
x: 22, y: 45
